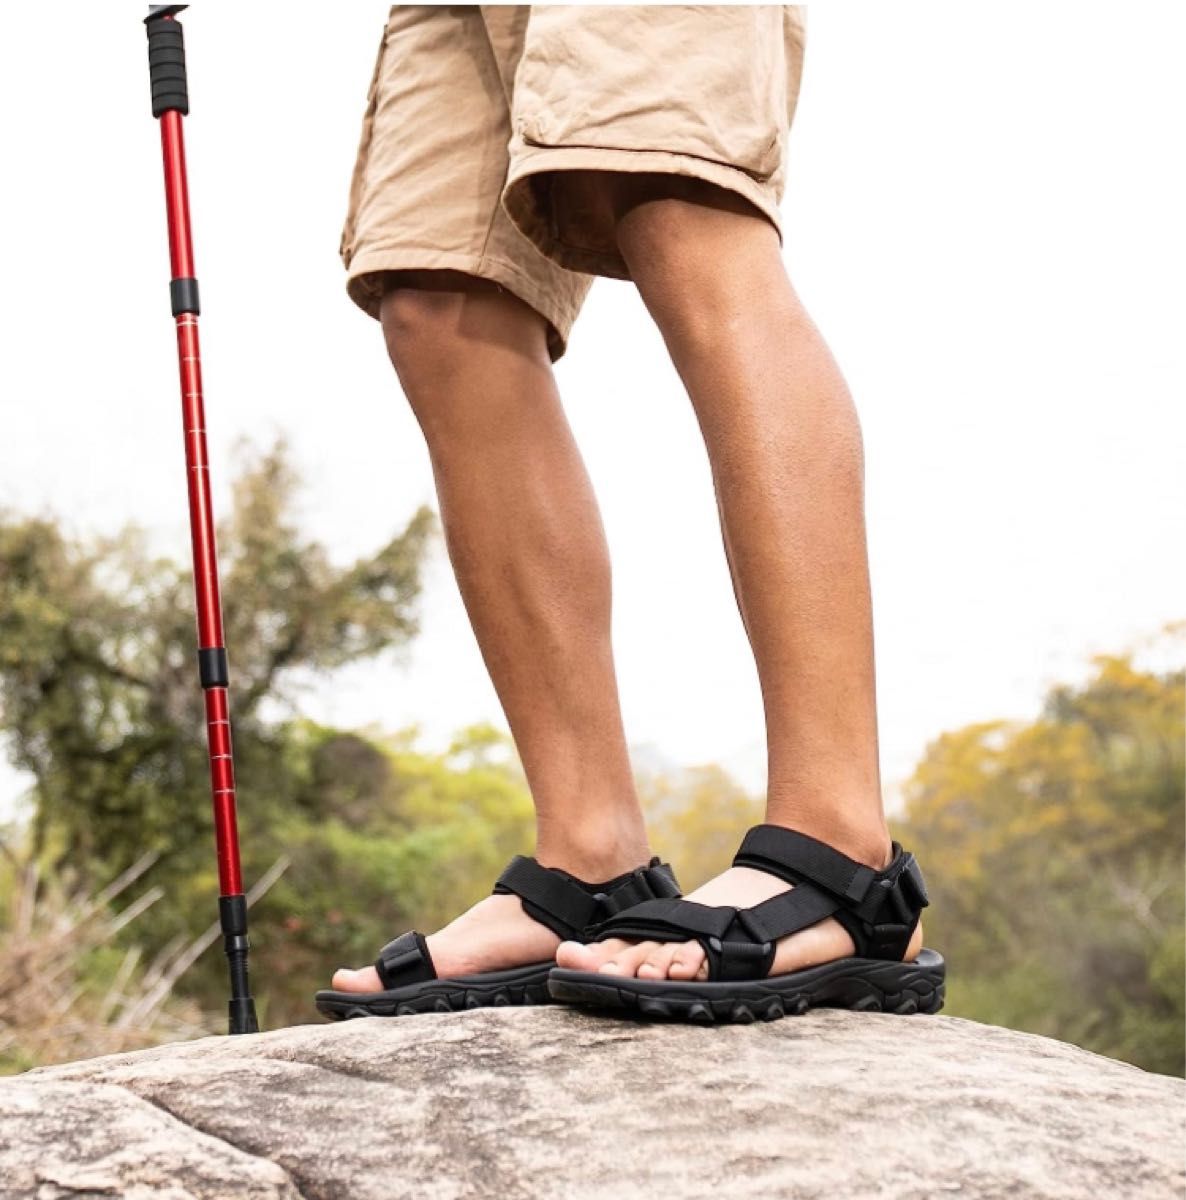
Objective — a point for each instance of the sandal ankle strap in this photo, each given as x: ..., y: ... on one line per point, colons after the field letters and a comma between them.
x: 572, y: 908
x: 655, y: 881
x: 797, y: 858
x: 878, y: 908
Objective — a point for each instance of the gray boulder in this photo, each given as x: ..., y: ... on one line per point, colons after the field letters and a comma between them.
x: 551, y: 1102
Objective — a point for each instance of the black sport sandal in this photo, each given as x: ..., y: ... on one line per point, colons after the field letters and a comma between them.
x: 568, y: 906
x: 879, y: 909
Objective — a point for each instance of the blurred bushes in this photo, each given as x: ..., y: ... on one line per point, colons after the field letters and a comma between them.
x: 68, y: 989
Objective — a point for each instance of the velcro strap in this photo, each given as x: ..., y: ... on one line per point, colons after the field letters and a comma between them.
x: 787, y: 913
x: 653, y: 882
x: 669, y: 921
x: 405, y: 960
x: 685, y: 921
x: 738, y: 960
x: 795, y: 857
x: 549, y: 896
x: 913, y: 886
x: 899, y: 892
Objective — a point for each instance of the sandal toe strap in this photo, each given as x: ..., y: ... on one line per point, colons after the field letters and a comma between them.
x: 732, y: 950
x: 405, y: 960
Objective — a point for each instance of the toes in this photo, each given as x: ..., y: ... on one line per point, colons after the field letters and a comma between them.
x: 658, y: 961
x: 364, y: 980
x: 615, y: 957
x: 576, y: 956
x: 589, y: 956
x: 688, y: 962
x: 627, y: 960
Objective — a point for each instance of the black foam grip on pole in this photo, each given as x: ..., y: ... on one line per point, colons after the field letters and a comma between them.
x: 212, y: 667
x: 166, y: 61
x: 183, y: 294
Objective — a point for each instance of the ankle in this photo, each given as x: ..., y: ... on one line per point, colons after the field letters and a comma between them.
x: 868, y: 843
x: 594, y: 854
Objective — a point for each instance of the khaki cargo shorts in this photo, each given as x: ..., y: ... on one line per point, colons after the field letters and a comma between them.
x: 474, y: 112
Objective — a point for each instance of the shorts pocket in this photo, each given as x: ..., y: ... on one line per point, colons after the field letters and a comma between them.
x: 707, y: 81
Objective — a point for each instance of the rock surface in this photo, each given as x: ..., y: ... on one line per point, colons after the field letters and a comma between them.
x: 550, y: 1102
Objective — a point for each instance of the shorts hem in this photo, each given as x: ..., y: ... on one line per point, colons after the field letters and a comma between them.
x: 520, y: 203
x: 364, y: 283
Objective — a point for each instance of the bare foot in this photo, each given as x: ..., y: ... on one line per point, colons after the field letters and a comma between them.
x: 495, y: 935
x: 738, y: 887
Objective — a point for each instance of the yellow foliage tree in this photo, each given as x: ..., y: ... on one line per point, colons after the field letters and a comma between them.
x: 1054, y: 851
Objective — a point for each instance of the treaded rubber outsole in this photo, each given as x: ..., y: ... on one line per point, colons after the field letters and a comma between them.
x: 861, y: 984
x: 492, y: 989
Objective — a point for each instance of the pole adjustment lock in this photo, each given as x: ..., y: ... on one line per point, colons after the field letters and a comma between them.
x: 183, y: 295
x: 212, y: 667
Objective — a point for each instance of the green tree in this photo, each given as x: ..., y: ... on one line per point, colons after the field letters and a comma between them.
x: 99, y: 697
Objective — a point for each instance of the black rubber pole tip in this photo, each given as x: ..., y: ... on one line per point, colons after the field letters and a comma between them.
x: 242, y: 1015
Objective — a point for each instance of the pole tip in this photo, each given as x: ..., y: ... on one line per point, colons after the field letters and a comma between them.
x: 242, y: 1015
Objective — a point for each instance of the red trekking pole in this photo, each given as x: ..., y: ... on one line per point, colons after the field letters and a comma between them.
x: 170, y: 102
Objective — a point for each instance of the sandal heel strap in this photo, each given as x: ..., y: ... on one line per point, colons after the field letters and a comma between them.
x: 549, y: 896
x: 655, y: 881
x: 572, y: 908
x: 883, y: 924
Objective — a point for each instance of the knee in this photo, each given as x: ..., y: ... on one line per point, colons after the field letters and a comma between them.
x: 419, y: 327
x: 445, y: 338
x: 438, y: 323
x: 422, y: 329
x: 701, y: 257
x: 453, y: 346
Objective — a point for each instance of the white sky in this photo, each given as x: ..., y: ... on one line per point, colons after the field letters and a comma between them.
x: 984, y: 215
